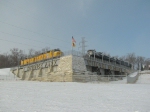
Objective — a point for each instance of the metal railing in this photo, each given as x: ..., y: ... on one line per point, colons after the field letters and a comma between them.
x: 73, y: 52
x: 94, y: 74
x: 80, y: 54
x: 99, y: 78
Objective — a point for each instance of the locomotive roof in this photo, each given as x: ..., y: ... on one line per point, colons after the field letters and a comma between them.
x: 91, y: 50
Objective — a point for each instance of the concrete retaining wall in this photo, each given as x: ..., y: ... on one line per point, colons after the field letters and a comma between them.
x: 132, y: 79
x: 55, y: 73
x: 84, y: 78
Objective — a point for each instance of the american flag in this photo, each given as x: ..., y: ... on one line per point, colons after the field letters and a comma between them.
x: 73, y: 42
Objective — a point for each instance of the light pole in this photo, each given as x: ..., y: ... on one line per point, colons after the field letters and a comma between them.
x: 94, y: 53
x: 102, y: 56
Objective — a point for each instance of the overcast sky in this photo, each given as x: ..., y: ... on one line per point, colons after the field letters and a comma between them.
x: 117, y: 27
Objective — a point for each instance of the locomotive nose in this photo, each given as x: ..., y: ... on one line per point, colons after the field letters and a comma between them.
x: 90, y: 52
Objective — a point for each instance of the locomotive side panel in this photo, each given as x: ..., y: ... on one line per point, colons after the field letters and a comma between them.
x: 50, y: 54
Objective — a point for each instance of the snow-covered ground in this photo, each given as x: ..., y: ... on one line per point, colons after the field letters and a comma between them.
x: 145, y: 71
x: 4, y: 71
x: 33, y: 96
x: 144, y: 79
x: 133, y: 74
x: 5, y: 74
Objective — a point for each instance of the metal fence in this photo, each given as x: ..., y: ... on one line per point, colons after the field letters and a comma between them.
x: 73, y: 52
x: 81, y: 76
x: 99, y: 78
x: 112, y: 77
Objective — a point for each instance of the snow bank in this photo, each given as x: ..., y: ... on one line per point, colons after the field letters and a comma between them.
x: 144, y: 79
x: 133, y: 74
x: 4, y: 71
x: 145, y: 72
x: 5, y: 74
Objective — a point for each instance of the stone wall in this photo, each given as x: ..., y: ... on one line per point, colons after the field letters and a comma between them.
x: 62, y: 72
x: 132, y: 79
x: 65, y: 64
x: 78, y: 64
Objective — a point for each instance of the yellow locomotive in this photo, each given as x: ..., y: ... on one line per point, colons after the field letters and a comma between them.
x: 43, y: 56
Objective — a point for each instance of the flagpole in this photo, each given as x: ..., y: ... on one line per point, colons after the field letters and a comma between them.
x: 71, y: 46
x: 72, y: 49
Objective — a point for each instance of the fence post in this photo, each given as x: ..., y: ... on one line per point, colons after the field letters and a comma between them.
x: 113, y: 77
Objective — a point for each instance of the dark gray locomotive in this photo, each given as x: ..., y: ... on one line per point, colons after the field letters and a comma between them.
x: 100, y: 55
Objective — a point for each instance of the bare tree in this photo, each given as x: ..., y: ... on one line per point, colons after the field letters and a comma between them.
x: 37, y: 52
x: 131, y: 58
x: 123, y: 58
x: 3, y: 60
x: 45, y: 49
x: 16, y: 56
x: 42, y: 51
x: 147, y: 63
x: 31, y: 53
x: 116, y: 57
x: 139, y: 62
